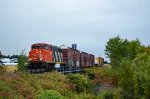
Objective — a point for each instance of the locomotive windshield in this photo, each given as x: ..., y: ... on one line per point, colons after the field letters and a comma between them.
x: 40, y: 47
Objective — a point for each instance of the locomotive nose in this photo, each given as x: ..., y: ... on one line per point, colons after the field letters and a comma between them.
x: 36, y: 55
x: 40, y: 55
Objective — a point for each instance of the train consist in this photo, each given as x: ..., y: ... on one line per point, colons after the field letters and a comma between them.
x: 45, y: 57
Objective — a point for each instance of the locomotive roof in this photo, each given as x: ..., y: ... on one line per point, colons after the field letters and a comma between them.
x: 56, y: 47
x: 41, y: 44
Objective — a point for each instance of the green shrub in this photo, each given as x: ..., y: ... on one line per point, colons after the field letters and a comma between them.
x: 134, y: 77
x: 13, y: 86
x: 141, y: 77
x: 22, y: 60
x: 125, y: 75
x: 100, y: 75
x: 48, y: 81
x: 50, y: 94
x: 81, y: 82
x: 111, y: 94
x: 85, y: 96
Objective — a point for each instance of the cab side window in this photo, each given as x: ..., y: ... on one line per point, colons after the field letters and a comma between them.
x: 35, y: 47
x: 41, y: 47
x: 46, y: 47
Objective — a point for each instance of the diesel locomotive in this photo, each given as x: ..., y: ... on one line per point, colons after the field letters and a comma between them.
x: 46, y: 57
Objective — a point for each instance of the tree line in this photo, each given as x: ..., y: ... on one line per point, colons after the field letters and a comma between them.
x: 130, y: 61
x: 118, y: 48
x: 8, y: 56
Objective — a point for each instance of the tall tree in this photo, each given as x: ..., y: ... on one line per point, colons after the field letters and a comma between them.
x: 133, y: 48
x: 114, y: 50
x: 117, y: 49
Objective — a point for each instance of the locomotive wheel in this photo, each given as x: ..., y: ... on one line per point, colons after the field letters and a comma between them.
x: 43, y: 70
x: 40, y: 70
x: 29, y: 70
x: 37, y: 70
x: 33, y: 70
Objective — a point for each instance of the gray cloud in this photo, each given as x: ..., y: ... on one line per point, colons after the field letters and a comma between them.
x: 89, y: 23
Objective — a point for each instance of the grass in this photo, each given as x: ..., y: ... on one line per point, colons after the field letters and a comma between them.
x: 10, y: 68
x: 31, y: 86
x: 24, y: 85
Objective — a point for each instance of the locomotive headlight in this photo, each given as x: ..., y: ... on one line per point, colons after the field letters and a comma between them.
x: 30, y: 59
x: 40, y: 58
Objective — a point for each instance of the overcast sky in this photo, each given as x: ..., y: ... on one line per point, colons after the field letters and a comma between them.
x: 88, y: 23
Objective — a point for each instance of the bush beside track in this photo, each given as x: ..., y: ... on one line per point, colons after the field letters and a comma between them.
x: 126, y: 82
x: 72, y: 86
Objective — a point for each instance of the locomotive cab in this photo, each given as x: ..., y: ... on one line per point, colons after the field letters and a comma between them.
x: 40, y: 58
x: 40, y: 53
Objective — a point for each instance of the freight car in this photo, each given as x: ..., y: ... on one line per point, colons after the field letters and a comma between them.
x: 84, y: 59
x: 46, y: 57
x: 99, y: 61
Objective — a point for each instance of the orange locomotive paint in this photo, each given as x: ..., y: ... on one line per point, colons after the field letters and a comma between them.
x: 40, y: 52
x: 40, y: 58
